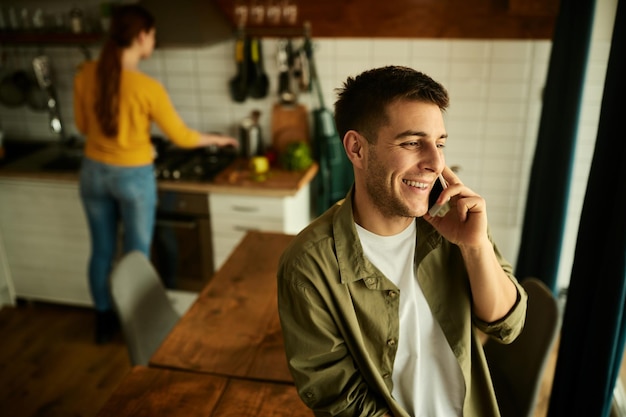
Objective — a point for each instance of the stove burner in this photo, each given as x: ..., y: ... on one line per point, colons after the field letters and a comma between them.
x: 193, y: 164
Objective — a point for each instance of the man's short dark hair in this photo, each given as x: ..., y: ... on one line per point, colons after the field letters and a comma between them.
x: 363, y: 100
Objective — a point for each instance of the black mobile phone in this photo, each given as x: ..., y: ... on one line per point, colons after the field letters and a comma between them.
x: 433, y: 208
x: 435, y: 193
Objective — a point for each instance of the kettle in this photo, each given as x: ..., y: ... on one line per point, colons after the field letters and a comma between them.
x: 250, y: 137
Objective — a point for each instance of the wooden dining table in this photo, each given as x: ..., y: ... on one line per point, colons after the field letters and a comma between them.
x: 233, y: 329
x: 150, y: 392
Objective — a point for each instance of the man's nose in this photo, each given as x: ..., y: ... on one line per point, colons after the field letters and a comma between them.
x: 432, y: 159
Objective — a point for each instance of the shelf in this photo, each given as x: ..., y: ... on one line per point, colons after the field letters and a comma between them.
x: 49, y: 38
x: 275, y: 31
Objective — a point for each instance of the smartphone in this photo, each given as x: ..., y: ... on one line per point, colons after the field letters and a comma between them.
x: 433, y: 208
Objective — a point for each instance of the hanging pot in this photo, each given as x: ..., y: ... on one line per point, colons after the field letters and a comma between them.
x: 37, y: 98
x: 14, y: 88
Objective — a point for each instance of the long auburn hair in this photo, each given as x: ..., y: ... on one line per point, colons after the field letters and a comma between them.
x: 127, y: 22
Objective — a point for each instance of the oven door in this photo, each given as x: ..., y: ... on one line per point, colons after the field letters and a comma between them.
x: 182, y: 252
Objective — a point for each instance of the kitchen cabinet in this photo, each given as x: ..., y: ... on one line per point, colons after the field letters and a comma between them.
x: 233, y: 215
x: 46, y: 240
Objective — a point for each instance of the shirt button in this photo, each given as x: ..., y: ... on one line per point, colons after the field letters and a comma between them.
x: 392, y: 294
x: 386, y: 376
x: 391, y: 342
x: 371, y: 281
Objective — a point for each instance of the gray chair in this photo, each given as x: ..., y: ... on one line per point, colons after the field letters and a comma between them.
x: 517, y: 369
x: 145, y: 312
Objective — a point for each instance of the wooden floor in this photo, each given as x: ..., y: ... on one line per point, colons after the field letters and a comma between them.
x: 50, y: 366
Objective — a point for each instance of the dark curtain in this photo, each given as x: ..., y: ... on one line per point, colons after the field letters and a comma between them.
x: 548, y: 191
x: 594, y: 323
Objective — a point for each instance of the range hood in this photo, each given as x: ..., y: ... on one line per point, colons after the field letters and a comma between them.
x: 183, y: 23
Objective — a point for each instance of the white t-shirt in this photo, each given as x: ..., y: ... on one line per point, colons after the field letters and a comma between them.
x: 426, y: 376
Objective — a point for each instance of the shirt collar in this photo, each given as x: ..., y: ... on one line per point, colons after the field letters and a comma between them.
x: 353, y: 265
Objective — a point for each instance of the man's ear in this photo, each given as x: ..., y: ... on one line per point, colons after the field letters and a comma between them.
x: 355, y: 146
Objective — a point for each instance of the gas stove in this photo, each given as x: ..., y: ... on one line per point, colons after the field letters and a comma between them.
x: 202, y: 164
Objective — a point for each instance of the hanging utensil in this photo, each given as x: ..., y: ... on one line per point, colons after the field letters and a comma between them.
x: 238, y: 85
x: 259, y: 82
x: 301, y: 71
x: 336, y: 174
x: 43, y: 73
x: 37, y: 97
x: 285, y: 94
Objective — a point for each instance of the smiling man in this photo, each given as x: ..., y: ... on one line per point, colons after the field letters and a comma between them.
x: 379, y: 301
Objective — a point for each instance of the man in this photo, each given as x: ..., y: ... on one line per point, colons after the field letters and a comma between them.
x: 379, y: 301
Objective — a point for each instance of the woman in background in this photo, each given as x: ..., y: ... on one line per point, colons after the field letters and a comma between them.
x: 114, y: 105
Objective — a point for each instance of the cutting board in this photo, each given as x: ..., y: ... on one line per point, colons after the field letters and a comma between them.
x: 290, y: 123
x: 238, y: 175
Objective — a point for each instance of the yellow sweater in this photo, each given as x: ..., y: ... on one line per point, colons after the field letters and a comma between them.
x: 142, y: 100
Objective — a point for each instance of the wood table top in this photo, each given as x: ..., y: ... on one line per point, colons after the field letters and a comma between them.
x: 150, y: 392
x: 233, y: 328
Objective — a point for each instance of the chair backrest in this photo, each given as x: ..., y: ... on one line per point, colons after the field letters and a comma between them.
x: 145, y: 312
x: 517, y: 369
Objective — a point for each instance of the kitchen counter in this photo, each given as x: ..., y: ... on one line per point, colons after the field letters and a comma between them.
x: 41, y: 212
x: 235, y: 179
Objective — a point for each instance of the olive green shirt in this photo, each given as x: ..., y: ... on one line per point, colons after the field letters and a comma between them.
x: 339, y: 316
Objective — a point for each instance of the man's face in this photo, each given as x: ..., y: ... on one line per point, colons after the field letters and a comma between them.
x: 406, y: 159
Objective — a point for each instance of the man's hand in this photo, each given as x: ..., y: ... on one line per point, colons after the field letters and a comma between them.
x: 465, y: 224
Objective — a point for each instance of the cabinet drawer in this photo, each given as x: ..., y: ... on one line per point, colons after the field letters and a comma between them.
x: 228, y: 206
x: 226, y: 225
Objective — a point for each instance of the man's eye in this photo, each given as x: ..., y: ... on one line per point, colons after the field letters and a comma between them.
x: 410, y: 144
x: 441, y: 145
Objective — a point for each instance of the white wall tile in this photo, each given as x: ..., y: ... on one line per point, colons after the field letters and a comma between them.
x: 431, y: 49
x: 510, y: 70
x: 510, y: 50
x: 471, y: 89
x: 474, y: 50
x: 506, y: 110
x: 467, y: 109
x: 469, y: 70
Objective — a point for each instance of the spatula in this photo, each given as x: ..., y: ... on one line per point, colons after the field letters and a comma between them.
x: 259, y: 81
x: 238, y: 85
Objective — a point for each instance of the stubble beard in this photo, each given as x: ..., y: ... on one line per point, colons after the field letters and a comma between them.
x: 380, y: 191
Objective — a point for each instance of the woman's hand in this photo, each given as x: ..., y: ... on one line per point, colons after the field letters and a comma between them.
x: 208, y: 139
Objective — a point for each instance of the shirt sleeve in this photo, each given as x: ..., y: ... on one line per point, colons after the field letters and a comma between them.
x: 167, y: 118
x: 80, y: 118
x: 323, y: 369
x: 510, y: 326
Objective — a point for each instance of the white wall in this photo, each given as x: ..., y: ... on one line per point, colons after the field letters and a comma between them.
x: 495, y: 88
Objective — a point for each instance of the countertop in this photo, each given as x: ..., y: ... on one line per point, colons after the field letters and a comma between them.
x: 235, y: 179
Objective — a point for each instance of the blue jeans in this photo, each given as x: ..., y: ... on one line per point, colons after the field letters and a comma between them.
x: 111, y: 194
